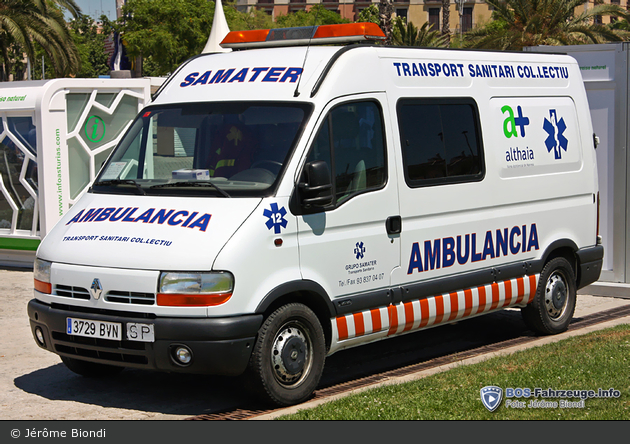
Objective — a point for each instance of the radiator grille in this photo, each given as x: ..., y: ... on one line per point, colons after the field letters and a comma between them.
x: 130, y: 297
x: 121, y: 297
x: 72, y: 292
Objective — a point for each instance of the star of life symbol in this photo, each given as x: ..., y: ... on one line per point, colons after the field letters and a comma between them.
x: 491, y: 396
x: 235, y: 135
x: 555, y: 128
x: 276, y: 218
x: 96, y: 289
x: 359, y: 250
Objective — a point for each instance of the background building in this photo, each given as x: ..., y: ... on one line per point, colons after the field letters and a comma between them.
x: 464, y: 14
x: 416, y: 11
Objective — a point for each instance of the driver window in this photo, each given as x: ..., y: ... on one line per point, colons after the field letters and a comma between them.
x: 351, y: 142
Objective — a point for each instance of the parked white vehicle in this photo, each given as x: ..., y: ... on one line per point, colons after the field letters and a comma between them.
x: 273, y: 206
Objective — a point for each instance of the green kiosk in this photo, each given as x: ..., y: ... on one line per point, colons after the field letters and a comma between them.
x: 54, y: 137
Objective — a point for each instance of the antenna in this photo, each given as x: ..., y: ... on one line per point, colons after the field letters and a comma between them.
x: 297, y: 87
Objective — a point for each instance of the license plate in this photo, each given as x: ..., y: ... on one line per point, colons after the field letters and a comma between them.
x: 94, y: 329
x: 140, y: 332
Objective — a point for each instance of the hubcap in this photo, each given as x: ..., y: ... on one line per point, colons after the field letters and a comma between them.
x: 556, y: 295
x: 291, y: 354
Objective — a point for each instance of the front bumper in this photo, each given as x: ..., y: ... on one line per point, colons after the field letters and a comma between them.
x: 220, y: 346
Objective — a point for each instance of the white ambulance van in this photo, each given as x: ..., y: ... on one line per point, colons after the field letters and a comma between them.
x: 284, y: 201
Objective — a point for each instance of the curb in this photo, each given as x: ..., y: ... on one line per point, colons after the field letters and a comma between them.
x: 445, y: 367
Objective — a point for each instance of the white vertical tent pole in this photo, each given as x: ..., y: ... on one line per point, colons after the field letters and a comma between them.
x: 218, y: 32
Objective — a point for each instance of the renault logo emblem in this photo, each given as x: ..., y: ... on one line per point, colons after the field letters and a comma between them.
x: 96, y: 289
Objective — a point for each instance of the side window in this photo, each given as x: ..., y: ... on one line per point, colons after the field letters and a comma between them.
x: 441, y: 141
x: 351, y: 142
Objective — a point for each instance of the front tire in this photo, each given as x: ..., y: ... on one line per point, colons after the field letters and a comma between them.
x: 553, y: 306
x: 288, y: 356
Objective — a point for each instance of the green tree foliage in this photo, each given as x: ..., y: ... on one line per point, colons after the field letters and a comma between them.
x: 241, y: 21
x: 621, y: 25
x: 409, y: 35
x: 317, y: 15
x: 370, y: 14
x: 168, y: 32
x: 90, y: 43
x: 520, y: 23
x: 26, y: 25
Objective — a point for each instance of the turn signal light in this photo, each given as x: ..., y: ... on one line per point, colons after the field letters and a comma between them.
x: 43, y: 287
x: 192, y: 300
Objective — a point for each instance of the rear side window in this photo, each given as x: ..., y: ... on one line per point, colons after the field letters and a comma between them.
x: 441, y: 141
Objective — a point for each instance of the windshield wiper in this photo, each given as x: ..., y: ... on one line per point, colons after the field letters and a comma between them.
x: 120, y: 182
x: 191, y: 183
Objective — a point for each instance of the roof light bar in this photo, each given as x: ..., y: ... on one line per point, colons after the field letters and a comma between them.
x: 301, y: 36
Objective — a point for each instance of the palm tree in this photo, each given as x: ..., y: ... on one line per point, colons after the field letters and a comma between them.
x: 520, y: 23
x: 385, y: 11
x: 24, y: 23
x: 409, y: 35
x: 446, y: 18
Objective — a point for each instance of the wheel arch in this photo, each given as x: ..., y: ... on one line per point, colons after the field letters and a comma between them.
x: 565, y: 248
x: 309, y: 293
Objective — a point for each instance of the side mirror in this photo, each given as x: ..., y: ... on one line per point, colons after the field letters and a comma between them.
x: 317, y: 190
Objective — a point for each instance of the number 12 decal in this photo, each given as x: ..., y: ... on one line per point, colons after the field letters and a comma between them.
x: 275, y: 218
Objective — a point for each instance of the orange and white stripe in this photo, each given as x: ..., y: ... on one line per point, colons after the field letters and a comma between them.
x: 441, y: 309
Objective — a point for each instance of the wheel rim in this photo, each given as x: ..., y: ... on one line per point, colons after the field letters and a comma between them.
x: 292, y: 354
x: 556, y: 295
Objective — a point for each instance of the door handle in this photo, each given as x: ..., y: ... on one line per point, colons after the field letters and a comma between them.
x: 393, y: 225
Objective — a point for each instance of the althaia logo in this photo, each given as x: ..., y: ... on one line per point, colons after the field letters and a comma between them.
x: 514, y: 126
x: 174, y: 218
x: 511, y: 124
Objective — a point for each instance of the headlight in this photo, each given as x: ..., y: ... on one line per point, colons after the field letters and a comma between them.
x: 181, y: 289
x: 41, y: 274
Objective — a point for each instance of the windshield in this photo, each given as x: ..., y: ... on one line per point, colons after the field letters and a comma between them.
x: 223, y: 149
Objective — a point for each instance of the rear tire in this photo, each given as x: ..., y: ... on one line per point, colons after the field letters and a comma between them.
x: 553, y: 306
x: 90, y: 369
x: 288, y: 356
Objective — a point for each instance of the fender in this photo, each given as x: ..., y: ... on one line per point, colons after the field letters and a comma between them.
x: 313, y: 290
x: 557, y: 245
x: 588, y: 261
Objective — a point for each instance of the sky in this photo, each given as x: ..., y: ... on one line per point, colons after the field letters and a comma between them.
x: 93, y: 8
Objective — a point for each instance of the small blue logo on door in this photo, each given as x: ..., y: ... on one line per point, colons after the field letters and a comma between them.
x: 276, y: 218
x: 359, y: 250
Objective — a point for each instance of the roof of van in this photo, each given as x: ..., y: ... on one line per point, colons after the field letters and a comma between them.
x: 301, y: 73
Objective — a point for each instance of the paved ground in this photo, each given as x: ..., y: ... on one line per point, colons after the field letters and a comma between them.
x: 35, y: 385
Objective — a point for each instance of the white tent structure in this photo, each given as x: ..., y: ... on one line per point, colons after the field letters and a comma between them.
x: 219, y: 30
